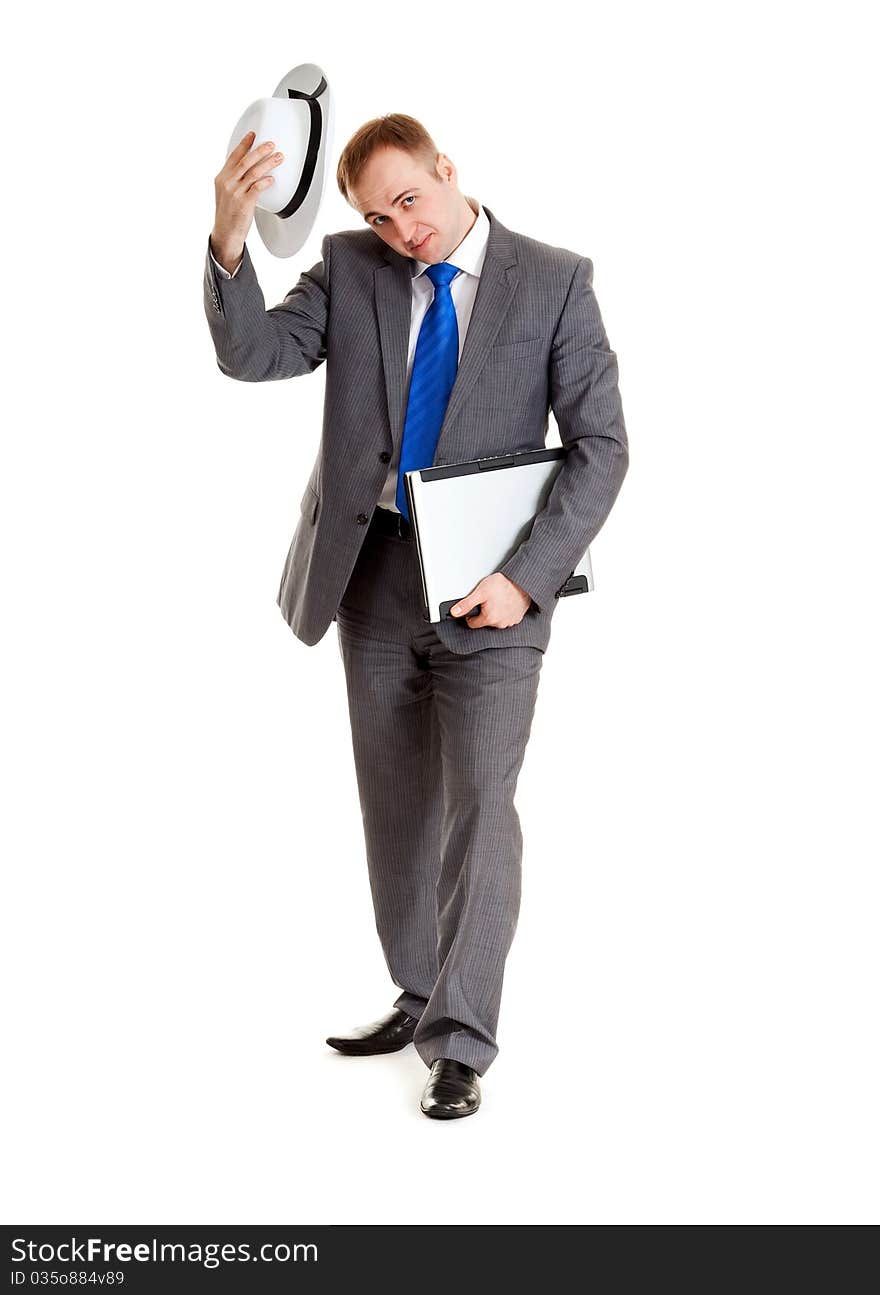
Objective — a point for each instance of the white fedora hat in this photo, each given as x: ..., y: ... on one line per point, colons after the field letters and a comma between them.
x: 299, y: 120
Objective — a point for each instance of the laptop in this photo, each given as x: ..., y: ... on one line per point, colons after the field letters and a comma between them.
x: 469, y: 518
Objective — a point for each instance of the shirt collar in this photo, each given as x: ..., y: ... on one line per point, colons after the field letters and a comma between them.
x: 471, y: 251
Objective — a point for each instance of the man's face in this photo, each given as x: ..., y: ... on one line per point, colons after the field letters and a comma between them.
x: 420, y: 213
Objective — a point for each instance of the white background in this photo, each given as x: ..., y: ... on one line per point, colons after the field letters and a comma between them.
x: 688, y: 1030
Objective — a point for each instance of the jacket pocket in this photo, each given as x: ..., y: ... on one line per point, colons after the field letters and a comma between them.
x: 509, y: 352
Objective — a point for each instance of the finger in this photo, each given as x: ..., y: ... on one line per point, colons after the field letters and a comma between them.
x: 258, y: 162
x: 470, y: 600
x: 241, y: 148
x: 478, y: 617
x: 480, y: 621
x: 463, y: 607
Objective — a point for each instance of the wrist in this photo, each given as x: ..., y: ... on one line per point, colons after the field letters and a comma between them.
x: 226, y: 254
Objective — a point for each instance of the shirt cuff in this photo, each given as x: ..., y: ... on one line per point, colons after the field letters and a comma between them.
x: 223, y: 271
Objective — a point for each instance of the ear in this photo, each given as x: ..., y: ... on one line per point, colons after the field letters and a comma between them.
x: 445, y: 168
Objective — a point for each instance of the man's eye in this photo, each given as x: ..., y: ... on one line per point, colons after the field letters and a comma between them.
x: 408, y: 198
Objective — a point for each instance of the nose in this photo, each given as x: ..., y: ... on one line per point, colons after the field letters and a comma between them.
x: 407, y: 232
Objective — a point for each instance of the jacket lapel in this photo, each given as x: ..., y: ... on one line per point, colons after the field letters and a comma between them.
x: 495, y: 291
x: 393, y: 286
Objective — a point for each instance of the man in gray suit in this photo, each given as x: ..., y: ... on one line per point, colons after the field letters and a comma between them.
x: 446, y: 337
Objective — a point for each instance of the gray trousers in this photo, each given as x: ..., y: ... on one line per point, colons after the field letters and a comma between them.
x: 439, y: 739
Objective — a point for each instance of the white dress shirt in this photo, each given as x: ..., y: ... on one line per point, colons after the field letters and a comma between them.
x: 468, y: 257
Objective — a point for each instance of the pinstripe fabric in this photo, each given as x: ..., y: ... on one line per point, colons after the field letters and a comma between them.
x: 439, y: 738
x: 535, y: 341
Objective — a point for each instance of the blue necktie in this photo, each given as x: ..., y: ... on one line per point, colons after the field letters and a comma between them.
x: 433, y: 375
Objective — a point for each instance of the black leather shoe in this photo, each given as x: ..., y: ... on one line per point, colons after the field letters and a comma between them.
x: 389, y: 1034
x: 452, y: 1090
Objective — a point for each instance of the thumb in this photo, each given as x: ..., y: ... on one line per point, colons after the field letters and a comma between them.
x: 465, y: 604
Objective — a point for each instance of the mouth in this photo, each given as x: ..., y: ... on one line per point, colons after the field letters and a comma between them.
x: 421, y: 246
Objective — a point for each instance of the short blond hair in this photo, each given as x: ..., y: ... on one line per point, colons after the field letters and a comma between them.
x: 393, y: 130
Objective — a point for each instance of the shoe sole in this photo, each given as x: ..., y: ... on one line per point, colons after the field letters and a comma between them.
x: 448, y: 1115
x: 367, y: 1052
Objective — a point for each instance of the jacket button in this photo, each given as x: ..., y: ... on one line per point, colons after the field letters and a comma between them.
x: 385, y: 456
x: 362, y: 519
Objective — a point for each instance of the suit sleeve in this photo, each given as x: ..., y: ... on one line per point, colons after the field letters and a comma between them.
x: 586, y: 403
x: 254, y: 344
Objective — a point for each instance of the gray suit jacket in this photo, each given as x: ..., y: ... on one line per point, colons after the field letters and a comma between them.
x: 535, y: 341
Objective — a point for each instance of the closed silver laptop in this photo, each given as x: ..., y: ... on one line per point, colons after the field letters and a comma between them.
x: 470, y: 517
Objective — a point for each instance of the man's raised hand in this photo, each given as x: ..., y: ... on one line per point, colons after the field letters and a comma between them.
x: 236, y: 190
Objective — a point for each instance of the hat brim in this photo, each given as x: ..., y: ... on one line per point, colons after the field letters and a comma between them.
x: 282, y: 234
